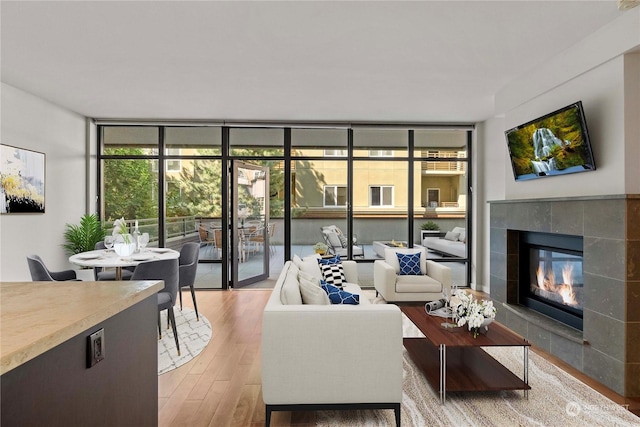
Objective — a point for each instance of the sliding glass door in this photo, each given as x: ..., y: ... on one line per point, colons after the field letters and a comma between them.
x: 250, y: 225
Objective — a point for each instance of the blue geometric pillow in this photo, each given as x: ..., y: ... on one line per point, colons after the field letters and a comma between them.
x: 338, y: 296
x: 409, y: 264
x: 329, y: 261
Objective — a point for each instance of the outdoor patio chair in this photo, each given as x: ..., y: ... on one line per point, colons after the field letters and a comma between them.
x: 337, y: 242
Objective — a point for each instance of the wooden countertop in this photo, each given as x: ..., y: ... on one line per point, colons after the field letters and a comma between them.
x: 37, y: 316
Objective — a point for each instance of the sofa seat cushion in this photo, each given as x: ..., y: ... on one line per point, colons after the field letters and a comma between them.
x: 417, y: 284
x: 355, y: 289
x: 446, y: 246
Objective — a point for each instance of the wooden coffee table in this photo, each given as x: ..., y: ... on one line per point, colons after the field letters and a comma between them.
x: 453, y: 360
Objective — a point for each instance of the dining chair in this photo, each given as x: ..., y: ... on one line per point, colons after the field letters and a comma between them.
x: 217, y: 241
x: 272, y: 232
x: 40, y: 272
x: 258, y: 237
x: 188, y: 265
x: 167, y: 270
x: 249, y: 239
x: 102, y: 274
x: 205, y: 238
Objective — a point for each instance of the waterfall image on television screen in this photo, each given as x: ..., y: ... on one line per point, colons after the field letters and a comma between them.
x: 555, y: 144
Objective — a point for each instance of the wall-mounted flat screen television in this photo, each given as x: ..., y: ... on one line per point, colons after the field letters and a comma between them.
x: 554, y: 144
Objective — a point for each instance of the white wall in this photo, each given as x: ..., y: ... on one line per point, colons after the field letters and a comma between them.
x: 604, y: 72
x: 632, y: 122
x: 492, y: 167
x: 601, y: 91
x: 33, y: 123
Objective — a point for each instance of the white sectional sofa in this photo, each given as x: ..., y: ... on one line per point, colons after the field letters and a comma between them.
x: 449, y: 245
x: 333, y: 356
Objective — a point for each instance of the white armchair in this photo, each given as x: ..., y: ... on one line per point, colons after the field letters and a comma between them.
x: 431, y: 285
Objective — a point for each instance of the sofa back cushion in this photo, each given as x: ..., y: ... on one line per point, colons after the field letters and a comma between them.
x: 309, y: 265
x: 290, y: 291
x: 462, y: 233
x: 452, y: 236
x: 311, y: 291
x: 391, y: 258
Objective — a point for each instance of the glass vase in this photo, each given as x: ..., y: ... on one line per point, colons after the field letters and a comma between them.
x: 124, y: 245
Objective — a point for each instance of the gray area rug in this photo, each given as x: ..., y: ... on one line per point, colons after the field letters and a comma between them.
x: 555, y: 399
x: 193, y: 337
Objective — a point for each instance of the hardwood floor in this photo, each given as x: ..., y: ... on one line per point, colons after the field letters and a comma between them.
x: 221, y: 386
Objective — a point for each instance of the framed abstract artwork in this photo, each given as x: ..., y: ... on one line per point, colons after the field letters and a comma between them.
x: 22, y: 176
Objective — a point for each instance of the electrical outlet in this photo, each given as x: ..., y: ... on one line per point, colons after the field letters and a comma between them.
x: 95, y: 348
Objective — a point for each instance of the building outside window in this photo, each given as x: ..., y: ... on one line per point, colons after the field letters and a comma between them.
x: 335, y: 153
x: 335, y: 195
x: 381, y: 196
x: 380, y: 153
x: 173, y: 165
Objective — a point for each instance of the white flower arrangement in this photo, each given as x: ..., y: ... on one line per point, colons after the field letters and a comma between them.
x: 243, y: 213
x: 472, y: 312
x: 120, y: 227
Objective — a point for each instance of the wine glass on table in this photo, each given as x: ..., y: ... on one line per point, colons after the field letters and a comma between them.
x: 144, y: 240
x: 447, y: 305
x: 108, y: 242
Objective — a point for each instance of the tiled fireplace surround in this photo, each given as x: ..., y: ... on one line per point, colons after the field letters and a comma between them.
x: 608, y: 350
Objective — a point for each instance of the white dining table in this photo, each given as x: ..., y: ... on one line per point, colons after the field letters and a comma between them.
x: 108, y: 258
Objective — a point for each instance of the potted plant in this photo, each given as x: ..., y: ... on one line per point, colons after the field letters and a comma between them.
x: 431, y: 226
x: 320, y: 248
x: 429, y: 229
x: 83, y: 237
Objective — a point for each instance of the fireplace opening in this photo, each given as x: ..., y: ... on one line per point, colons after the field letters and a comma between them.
x: 551, y: 280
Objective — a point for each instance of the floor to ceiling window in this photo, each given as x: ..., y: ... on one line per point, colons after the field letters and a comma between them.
x: 380, y: 189
x: 442, y: 181
x: 375, y: 185
x: 130, y: 176
x: 319, y: 186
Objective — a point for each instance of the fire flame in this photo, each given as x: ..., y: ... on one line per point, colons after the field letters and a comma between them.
x: 547, y: 282
x: 567, y: 274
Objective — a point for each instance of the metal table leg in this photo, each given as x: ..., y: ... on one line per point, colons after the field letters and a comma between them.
x: 443, y: 373
x: 526, y: 370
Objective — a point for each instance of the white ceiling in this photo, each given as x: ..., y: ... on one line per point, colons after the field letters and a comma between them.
x: 425, y: 61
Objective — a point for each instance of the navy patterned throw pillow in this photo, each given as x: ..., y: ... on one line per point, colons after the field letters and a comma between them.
x: 329, y: 261
x: 338, y: 296
x: 333, y: 274
x: 409, y: 264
